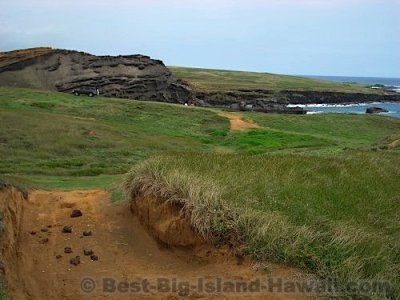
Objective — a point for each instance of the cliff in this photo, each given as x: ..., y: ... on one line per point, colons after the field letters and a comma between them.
x: 131, y: 76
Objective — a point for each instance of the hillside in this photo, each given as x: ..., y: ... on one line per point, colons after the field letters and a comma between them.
x: 204, y: 80
x: 226, y: 87
x: 313, y: 193
x: 56, y: 134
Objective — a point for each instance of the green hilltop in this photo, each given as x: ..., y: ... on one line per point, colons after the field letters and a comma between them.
x: 226, y: 80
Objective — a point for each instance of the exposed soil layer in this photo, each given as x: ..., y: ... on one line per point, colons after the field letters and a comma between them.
x: 165, y: 222
x: 119, y: 247
x: 11, y: 206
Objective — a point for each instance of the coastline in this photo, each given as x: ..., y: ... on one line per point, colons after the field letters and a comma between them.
x: 293, y: 97
x: 393, y: 108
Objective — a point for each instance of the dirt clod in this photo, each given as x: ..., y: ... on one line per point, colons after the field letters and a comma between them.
x: 88, y: 252
x: 87, y: 233
x: 33, y: 232
x: 94, y: 257
x: 76, y: 213
x: 58, y: 256
x: 67, y: 250
x: 67, y: 229
x: 44, y: 241
x: 44, y: 229
x: 75, y: 261
x: 2, y: 267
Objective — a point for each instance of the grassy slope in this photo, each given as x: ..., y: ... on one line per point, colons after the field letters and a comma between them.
x: 336, y: 216
x: 314, y: 196
x: 331, y: 209
x: 46, y: 134
x: 223, y: 80
x: 54, y: 134
x: 59, y: 134
x: 344, y: 130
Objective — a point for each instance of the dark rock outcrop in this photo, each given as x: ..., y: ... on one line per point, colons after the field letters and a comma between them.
x: 226, y: 99
x: 266, y: 106
x: 375, y: 110
x: 131, y: 76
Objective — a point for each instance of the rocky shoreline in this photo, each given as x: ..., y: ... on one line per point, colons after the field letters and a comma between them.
x: 277, y: 102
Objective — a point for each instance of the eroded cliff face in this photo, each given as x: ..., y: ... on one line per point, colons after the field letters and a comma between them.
x: 131, y: 76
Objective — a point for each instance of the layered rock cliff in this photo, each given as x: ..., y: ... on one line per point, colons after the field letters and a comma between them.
x: 131, y: 76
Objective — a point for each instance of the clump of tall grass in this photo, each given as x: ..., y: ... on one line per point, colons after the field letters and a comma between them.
x: 320, y: 214
x: 200, y: 198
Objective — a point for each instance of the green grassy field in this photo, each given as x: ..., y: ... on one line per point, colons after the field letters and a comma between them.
x: 319, y: 192
x: 224, y: 80
x: 55, y: 134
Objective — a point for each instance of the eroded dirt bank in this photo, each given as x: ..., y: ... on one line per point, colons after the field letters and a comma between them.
x: 11, y: 205
x: 126, y: 251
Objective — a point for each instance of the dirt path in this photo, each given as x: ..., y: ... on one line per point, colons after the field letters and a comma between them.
x: 125, y: 250
x: 237, y: 122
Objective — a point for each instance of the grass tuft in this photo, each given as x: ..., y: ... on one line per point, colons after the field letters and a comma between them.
x: 332, y: 216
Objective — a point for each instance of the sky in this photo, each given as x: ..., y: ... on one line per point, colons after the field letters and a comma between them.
x: 307, y: 37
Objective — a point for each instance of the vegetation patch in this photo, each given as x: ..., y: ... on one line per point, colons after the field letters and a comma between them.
x: 319, y: 192
x: 225, y: 80
x: 259, y: 140
x: 333, y: 216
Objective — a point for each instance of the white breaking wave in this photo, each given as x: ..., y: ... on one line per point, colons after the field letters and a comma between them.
x: 332, y: 105
x: 314, y: 112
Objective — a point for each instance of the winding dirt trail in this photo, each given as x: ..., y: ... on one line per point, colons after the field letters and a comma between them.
x: 125, y: 250
x: 237, y: 123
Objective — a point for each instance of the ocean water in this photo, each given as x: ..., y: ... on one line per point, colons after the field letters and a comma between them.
x: 389, y: 83
x: 359, y: 108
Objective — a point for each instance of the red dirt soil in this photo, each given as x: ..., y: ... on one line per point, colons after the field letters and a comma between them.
x: 124, y: 247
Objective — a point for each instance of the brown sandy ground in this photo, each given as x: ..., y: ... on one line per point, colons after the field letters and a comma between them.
x: 237, y: 123
x: 125, y: 250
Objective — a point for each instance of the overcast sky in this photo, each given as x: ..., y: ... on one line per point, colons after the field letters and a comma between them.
x: 310, y: 37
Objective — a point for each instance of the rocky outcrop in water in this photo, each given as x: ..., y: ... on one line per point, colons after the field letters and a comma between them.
x: 130, y: 76
x: 375, y: 110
